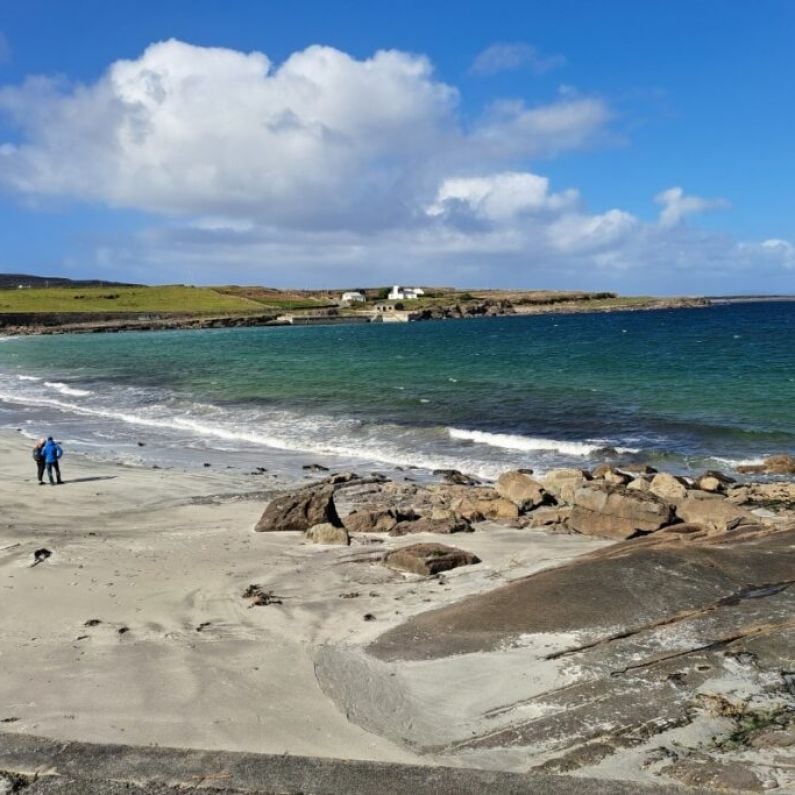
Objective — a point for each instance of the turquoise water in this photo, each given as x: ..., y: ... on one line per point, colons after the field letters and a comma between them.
x: 680, y: 387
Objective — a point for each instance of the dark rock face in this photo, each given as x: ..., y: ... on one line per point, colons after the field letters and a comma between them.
x: 616, y: 512
x: 429, y: 559
x: 299, y: 511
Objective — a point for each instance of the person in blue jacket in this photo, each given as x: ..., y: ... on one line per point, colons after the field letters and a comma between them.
x: 52, y: 452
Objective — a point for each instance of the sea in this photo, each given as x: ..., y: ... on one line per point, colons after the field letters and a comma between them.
x: 682, y: 390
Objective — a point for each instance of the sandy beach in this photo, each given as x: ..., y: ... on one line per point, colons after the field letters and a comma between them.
x: 135, y: 631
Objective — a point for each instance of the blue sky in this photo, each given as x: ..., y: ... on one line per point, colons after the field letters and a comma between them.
x: 636, y: 146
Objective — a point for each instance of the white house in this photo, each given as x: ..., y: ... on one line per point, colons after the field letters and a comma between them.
x: 399, y: 293
x: 352, y: 298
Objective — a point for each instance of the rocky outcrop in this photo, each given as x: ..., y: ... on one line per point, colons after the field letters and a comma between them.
x: 601, y: 509
x: 675, y: 640
x: 428, y: 559
x: 299, y: 510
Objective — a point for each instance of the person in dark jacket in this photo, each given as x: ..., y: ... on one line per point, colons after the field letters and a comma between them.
x: 38, y: 457
x: 52, y: 452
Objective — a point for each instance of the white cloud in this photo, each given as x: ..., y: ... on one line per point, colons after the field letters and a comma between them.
x: 327, y: 169
x: 505, y: 56
x: 321, y: 141
x: 591, y: 233
x: 500, y: 197
x: 676, y: 205
x: 510, y: 128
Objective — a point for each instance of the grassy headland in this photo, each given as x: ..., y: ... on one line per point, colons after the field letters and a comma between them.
x: 116, y: 307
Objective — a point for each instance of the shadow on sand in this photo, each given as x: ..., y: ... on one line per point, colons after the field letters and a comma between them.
x: 89, y: 480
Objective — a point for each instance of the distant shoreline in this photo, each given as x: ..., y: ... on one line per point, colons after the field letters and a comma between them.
x: 52, y: 323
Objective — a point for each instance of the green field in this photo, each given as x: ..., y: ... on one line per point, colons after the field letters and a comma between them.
x: 169, y: 298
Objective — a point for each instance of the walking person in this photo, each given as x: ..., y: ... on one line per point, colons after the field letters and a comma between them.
x: 38, y: 457
x: 52, y: 452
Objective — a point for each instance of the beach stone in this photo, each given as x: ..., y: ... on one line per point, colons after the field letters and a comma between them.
x: 617, y: 512
x: 452, y: 524
x: 328, y: 534
x: 428, y: 559
x: 522, y: 490
x: 299, y: 510
x: 378, y: 521
x: 668, y: 487
x: 713, y: 511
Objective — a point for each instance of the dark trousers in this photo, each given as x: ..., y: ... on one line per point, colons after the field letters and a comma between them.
x: 40, y: 470
x: 53, y: 466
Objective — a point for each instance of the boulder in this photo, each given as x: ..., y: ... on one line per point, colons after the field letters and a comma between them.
x: 617, y: 512
x: 378, y: 521
x: 524, y: 492
x: 478, y: 506
x: 713, y: 511
x: 781, y: 464
x: 456, y: 477
x: 328, y: 534
x: 639, y: 484
x: 299, y: 510
x: 562, y: 483
x: 712, y: 481
x: 668, y: 488
x: 429, y: 559
x: 429, y: 525
x: 610, y: 475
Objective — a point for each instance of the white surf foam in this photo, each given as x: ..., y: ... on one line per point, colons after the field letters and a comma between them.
x: 65, y: 389
x: 28, y: 378
x: 509, y: 441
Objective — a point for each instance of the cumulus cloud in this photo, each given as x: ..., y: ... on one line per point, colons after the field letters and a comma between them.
x: 321, y: 141
x: 676, y: 204
x: 507, y: 56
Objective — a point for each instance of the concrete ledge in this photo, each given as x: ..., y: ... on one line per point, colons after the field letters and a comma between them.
x: 73, y: 768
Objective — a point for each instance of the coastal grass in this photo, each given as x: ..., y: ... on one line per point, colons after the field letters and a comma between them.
x: 164, y: 298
